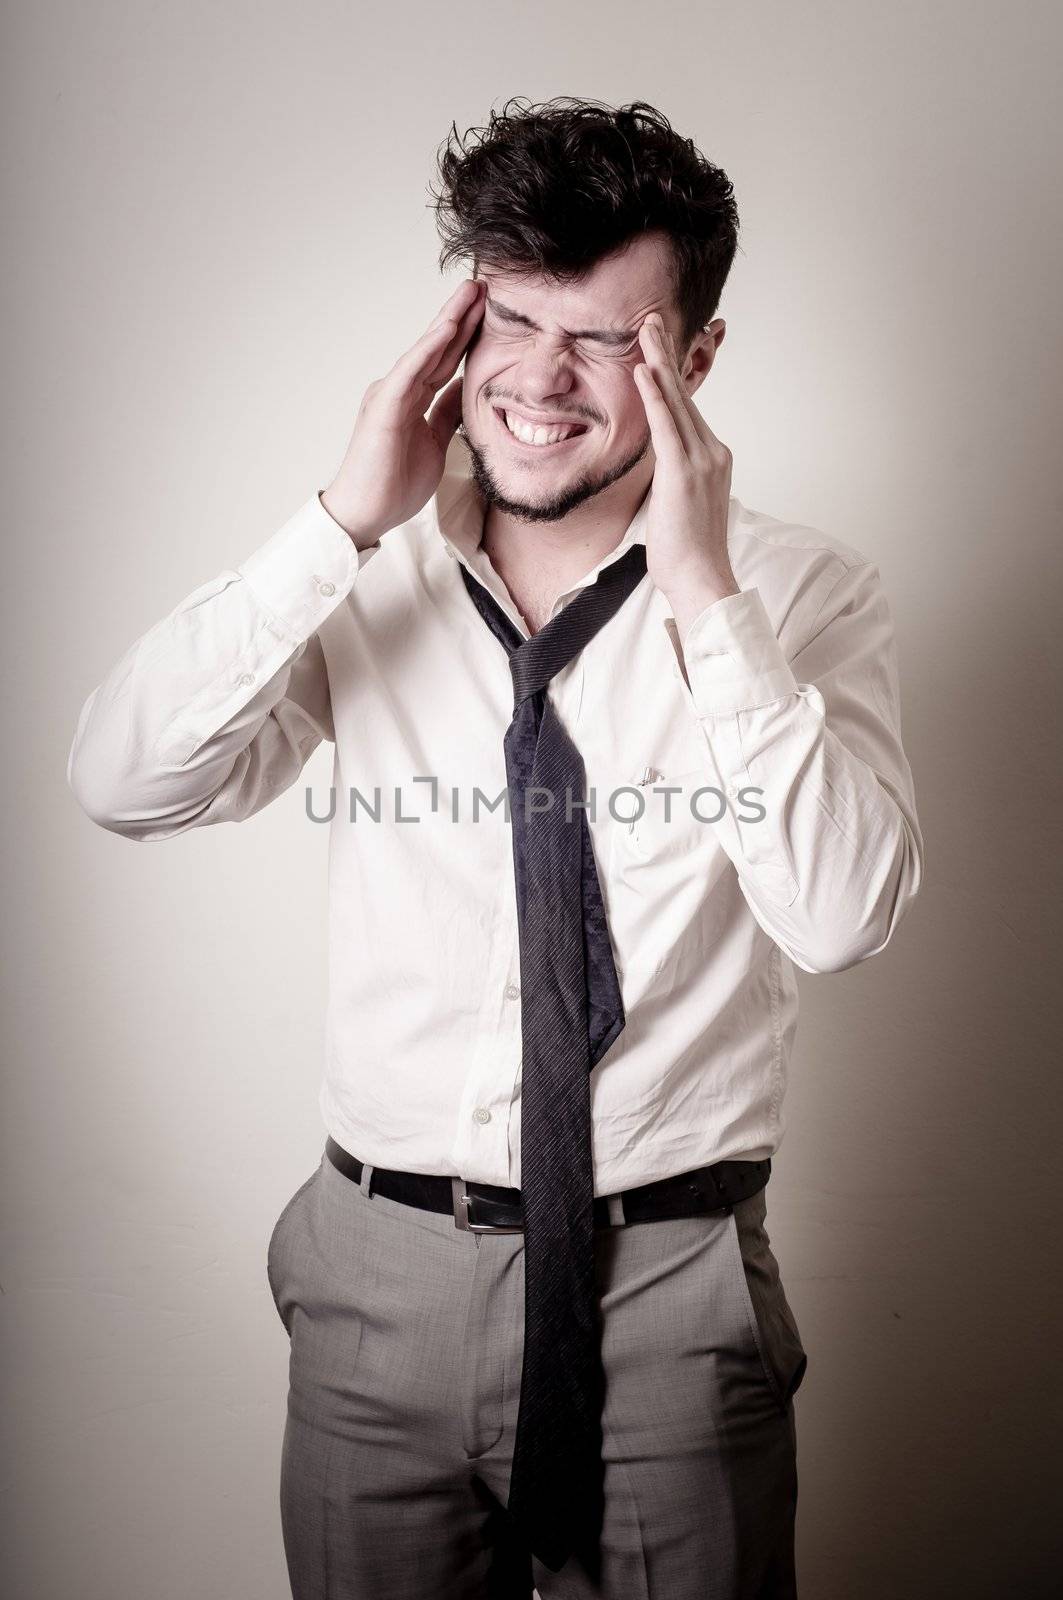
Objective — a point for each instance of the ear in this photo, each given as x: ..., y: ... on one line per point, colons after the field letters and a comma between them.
x: 697, y: 363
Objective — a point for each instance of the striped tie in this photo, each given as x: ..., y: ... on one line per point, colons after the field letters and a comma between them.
x: 571, y: 1012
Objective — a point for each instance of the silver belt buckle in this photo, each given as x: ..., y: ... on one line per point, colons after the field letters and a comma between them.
x: 461, y: 1214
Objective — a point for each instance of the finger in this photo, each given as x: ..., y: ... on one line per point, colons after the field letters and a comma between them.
x: 681, y: 396
x: 432, y: 348
x: 668, y: 446
x: 422, y: 358
x: 705, y: 433
x: 436, y: 354
x: 446, y: 413
x: 455, y: 305
x: 452, y: 354
x: 659, y: 359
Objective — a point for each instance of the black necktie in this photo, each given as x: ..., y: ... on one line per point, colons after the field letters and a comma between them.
x: 571, y: 1012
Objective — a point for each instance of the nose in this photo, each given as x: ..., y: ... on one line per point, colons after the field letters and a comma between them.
x: 543, y: 373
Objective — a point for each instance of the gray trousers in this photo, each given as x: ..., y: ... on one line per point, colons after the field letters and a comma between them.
x: 406, y: 1341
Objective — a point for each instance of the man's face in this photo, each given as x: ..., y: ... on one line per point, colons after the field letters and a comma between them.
x: 549, y: 356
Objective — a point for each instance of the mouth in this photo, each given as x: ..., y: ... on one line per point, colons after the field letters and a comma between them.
x: 536, y: 438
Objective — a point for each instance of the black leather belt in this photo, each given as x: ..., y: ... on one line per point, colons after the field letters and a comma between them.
x: 486, y: 1208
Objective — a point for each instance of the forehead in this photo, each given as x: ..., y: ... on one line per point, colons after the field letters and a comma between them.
x: 618, y: 291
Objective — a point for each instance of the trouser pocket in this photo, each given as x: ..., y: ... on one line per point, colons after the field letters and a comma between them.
x: 278, y: 1253
x: 771, y: 1321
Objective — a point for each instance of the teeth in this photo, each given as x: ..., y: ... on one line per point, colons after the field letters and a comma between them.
x: 529, y: 435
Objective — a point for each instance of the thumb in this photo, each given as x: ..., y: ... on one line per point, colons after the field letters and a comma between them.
x: 446, y: 412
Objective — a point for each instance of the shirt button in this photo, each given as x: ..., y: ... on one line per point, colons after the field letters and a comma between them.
x: 482, y: 1114
x: 512, y: 992
x: 326, y: 589
x: 246, y: 680
x: 732, y: 790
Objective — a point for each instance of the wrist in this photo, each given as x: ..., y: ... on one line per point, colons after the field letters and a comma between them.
x: 690, y: 595
x: 344, y: 517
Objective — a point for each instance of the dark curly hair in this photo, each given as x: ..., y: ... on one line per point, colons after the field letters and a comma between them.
x: 548, y: 190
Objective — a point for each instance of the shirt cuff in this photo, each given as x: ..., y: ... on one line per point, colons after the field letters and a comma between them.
x: 303, y: 572
x: 732, y: 657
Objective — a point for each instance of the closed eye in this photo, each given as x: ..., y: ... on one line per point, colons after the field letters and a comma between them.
x: 588, y: 348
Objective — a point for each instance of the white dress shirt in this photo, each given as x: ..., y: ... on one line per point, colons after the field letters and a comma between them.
x: 790, y: 692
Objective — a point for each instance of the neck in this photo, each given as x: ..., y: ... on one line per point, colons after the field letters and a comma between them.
x: 556, y: 555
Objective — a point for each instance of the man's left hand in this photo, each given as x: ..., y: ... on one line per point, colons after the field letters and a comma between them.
x: 686, y: 530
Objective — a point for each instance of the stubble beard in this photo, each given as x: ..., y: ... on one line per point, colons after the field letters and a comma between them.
x: 554, y: 507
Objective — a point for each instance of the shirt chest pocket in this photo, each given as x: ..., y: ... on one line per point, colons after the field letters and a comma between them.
x: 666, y: 816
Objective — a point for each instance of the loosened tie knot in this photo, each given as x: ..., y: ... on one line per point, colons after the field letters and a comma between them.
x: 535, y: 661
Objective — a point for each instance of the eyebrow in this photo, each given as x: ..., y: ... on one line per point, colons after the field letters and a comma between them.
x: 616, y: 337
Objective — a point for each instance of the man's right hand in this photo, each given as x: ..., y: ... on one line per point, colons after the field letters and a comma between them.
x: 396, y: 456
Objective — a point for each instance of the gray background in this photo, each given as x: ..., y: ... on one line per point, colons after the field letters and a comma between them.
x: 217, y: 235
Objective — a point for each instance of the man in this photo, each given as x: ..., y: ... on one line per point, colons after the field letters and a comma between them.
x: 537, y: 1329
